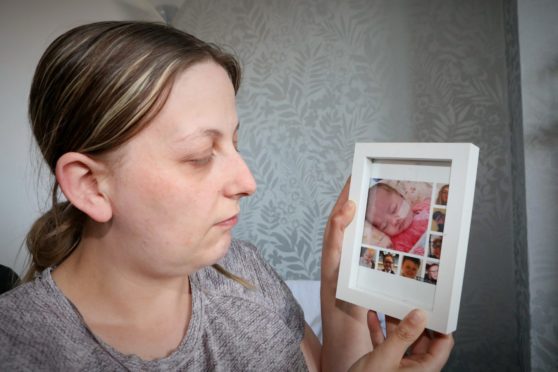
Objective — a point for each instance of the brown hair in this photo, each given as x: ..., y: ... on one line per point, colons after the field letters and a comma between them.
x: 95, y: 87
x: 414, y: 260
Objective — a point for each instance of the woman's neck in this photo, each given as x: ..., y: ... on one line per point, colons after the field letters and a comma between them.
x: 131, y: 310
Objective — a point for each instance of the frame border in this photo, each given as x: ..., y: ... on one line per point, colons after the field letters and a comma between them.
x: 463, y: 170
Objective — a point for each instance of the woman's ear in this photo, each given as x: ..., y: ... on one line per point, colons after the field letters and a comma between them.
x: 81, y: 180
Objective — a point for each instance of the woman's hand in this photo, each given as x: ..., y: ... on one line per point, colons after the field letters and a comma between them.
x: 408, y: 347
x: 347, y: 341
x: 345, y: 335
x: 341, y: 216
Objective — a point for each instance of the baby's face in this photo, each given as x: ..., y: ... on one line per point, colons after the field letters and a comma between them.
x: 390, y: 212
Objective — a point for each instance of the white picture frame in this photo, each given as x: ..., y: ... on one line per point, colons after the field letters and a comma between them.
x: 381, y: 228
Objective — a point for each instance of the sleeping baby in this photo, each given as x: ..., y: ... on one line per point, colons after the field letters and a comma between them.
x: 400, y: 223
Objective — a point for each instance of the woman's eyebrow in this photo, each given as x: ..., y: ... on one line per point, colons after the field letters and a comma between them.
x: 210, y: 132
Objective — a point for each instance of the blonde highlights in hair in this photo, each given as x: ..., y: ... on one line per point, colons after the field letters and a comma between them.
x: 94, y: 88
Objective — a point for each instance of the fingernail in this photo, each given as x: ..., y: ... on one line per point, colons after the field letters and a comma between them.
x: 349, y: 206
x: 416, y: 317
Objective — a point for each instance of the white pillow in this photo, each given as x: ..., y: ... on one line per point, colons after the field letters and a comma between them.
x: 307, y: 293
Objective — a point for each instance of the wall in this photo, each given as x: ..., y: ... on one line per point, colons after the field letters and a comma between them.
x: 303, y: 103
x: 538, y: 38
x: 461, y: 87
x: 321, y: 75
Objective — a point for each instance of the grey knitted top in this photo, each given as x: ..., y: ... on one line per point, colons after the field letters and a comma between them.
x: 231, y: 328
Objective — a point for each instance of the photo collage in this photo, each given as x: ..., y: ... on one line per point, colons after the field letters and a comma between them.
x: 404, y: 228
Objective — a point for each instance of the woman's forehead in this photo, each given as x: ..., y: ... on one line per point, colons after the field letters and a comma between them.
x: 201, y: 103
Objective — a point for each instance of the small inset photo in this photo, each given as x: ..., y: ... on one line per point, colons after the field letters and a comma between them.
x: 410, y: 267
x: 442, y: 194
x: 431, y: 272
x: 435, y: 247
x: 367, y: 257
x: 438, y: 219
x: 388, y: 262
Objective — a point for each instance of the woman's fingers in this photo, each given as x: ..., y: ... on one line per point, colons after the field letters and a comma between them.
x: 404, y: 335
x: 341, y: 216
x: 345, y: 336
x: 440, y: 349
x: 376, y: 333
x: 391, y: 325
x: 390, y: 354
x: 343, y: 196
x: 421, y: 345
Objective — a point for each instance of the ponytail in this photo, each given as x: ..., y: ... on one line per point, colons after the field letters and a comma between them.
x: 227, y: 274
x: 54, y: 236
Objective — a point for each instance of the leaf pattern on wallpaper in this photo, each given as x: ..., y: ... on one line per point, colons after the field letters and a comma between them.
x: 460, y: 96
x: 310, y: 91
x: 542, y: 193
x: 321, y: 75
x: 539, y: 74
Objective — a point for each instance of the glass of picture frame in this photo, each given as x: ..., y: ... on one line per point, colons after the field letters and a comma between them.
x: 407, y: 244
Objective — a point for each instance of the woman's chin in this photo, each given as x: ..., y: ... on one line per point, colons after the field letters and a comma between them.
x: 211, y: 253
x: 222, y: 247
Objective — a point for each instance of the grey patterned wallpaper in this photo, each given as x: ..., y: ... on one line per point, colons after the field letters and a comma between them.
x: 321, y: 75
x: 460, y: 94
x: 538, y: 37
x: 519, y: 209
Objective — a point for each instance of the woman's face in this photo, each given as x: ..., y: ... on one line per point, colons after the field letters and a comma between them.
x: 389, y: 212
x: 176, y: 186
x: 444, y: 195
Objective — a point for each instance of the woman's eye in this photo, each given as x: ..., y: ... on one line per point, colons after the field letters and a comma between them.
x: 201, y: 161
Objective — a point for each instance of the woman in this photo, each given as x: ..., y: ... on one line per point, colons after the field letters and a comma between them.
x: 442, y: 198
x: 137, y: 270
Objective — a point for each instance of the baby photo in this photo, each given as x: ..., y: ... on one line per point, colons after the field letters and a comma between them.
x: 397, y: 215
x: 367, y: 257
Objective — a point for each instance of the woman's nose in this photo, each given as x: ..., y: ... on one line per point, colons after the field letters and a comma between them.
x: 241, y: 182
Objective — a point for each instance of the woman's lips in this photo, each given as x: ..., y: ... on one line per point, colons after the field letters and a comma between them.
x: 229, y: 222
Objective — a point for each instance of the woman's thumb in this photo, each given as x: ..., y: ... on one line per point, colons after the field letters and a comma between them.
x: 403, y: 336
